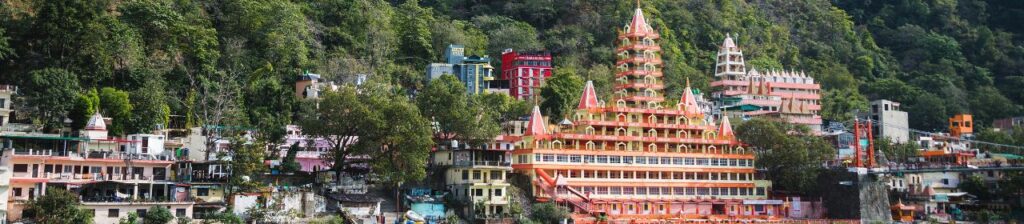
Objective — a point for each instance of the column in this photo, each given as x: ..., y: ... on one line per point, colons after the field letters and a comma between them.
x: 135, y: 191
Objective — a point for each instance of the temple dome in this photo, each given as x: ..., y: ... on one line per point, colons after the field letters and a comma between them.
x: 96, y: 123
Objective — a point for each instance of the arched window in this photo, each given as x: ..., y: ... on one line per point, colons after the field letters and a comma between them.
x: 649, y: 79
x: 652, y: 119
x: 652, y: 133
x: 591, y: 145
x: 652, y: 148
x: 620, y: 103
x: 650, y: 93
x: 556, y: 144
x: 620, y: 146
x: 589, y: 130
x: 620, y: 131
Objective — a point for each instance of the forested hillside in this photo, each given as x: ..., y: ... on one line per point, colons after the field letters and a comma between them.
x: 234, y: 62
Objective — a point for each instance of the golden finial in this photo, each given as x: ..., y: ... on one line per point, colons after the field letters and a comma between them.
x: 687, y: 78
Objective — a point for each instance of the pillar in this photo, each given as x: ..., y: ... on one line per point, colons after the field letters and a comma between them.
x: 135, y: 191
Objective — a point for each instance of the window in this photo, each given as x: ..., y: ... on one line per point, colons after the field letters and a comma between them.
x: 159, y: 173
x: 17, y: 192
x: 575, y: 159
x: 140, y: 212
x: 602, y: 159
x: 497, y: 192
x: 179, y: 212
x: 202, y: 192
x: 588, y: 159
x: 465, y: 175
x: 113, y: 213
x: 20, y: 168
x: 476, y: 175
x: 495, y: 175
x: 145, y: 144
x: 945, y: 181
x: 478, y: 192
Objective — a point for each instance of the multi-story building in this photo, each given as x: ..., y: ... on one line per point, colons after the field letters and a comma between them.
x: 310, y: 151
x: 889, y: 121
x: 751, y: 93
x: 6, y: 94
x: 1007, y: 124
x: 640, y: 157
x: 5, y: 181
x: 473, y: 71
x: 478, y: 175
x: 117, y: 177
x: 525, y: 71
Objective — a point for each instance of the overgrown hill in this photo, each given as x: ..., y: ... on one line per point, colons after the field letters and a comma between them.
x: 233, y: 62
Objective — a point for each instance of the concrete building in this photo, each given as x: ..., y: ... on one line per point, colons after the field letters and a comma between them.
x: 110, y: 179
x: 889, y: 121
x: 1007, y: 124
x: 790, y: 96
x: 525, y: 71
x: 6, y: 102
x: 475, y: 175
x: 474, y: 71
x: 5, y: 181
x: 639, y: 158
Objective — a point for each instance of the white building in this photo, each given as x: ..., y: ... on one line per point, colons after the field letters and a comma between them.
x: 890, y: 121
x: 145, y: 144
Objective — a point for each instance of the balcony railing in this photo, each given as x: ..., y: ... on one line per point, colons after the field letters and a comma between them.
x: 92, y: 155
x: 127, y: 199
x: 100, y: 177
x: 482, y: 163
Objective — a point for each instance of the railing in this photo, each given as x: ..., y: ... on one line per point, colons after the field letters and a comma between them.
x: 128, y: 199
x: 482, y: 163
x: 100, y: 177
x: 92, y: 155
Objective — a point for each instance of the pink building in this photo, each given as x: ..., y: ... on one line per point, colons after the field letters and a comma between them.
x: 791, y: 96
x: 310, y: 152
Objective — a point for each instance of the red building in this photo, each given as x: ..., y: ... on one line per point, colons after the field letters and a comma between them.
x: 525, y: 71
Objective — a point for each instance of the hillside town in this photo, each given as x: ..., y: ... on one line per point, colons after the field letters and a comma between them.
x: 512, y: 139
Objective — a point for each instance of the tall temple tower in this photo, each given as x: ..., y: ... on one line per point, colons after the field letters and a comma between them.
x: 769, y: 94
x: 638, y: 157
x: 729, y: 64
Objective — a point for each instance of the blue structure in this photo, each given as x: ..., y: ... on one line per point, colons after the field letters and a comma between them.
x: 474, y: 71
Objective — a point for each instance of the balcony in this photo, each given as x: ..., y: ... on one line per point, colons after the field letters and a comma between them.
x: 92, y: 155
x: 90, y: 177
x: 483, y: 164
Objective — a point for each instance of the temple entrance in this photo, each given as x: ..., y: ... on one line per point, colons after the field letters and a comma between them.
x: 718, y: 209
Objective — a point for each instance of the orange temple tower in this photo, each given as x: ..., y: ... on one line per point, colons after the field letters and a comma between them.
x: 639, y: 157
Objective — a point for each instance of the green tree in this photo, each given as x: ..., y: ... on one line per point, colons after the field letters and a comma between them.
x: 342, y: 119
x: 561, y: 93
x: 548, y: 213
x: 132, y: 218
x: 456, y: 116
x: 158, y: 215
x: 841, y: 104
x: 58, y: 206
x: 116, y: 104
x: 150, y: 108
x: 85, y: 106
x: 414, y: 31
x: 247, y: 164
x: 288, y: 164
x: 5, y: 46
x: 789, y: 154
x: 403, y: 143
x: 976, y: 186
x: 50, y: 93
x: 897, y: 152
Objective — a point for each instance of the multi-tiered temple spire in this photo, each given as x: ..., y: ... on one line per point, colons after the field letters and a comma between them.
x: 729, y: 64
x: 638, y: 80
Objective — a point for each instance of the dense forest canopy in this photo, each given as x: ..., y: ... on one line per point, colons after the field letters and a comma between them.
x: 234, y: 62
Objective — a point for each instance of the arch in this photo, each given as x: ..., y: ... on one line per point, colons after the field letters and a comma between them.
x: 589, y: 130
x: 557, y: 144
x: 622, y: 117
x: 682, y: 120
x: 650, y: 93
x: 649, y: 54
x: 682, y: 148
x: 713, y: 149
x: 652, y: 147
x: 652, y: 133
x: 649, y: 67
x: 619, y: 146
x: 652, y: 119
x: 591, y: 145
x: 648, y: 41
x: 622, y: 130
x: 620, y: 103
x: 649, y: 79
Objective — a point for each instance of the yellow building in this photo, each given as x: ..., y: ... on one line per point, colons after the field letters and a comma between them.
x: 478, y: 176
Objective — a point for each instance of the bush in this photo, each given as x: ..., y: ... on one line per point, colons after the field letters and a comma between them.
x: 158, y: 215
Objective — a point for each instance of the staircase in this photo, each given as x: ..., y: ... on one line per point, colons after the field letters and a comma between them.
x: 550, y: 186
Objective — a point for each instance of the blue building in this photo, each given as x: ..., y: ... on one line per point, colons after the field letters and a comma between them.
x: 474, y: 71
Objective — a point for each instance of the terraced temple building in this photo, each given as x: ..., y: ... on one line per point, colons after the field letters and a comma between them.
x: 640, y: 157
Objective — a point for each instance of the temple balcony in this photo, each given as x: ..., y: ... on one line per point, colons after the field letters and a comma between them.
x: 639, y: 72
x: 639, y: 60
x: 639, y: 47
